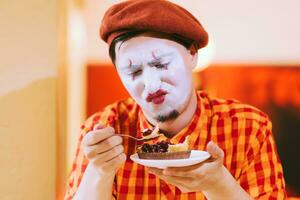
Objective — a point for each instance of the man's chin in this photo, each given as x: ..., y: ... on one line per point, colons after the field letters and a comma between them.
x: 167, y: 117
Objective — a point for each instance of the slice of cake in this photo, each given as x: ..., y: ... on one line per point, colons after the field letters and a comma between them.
x: 164, y: 150
x: 149, y: 134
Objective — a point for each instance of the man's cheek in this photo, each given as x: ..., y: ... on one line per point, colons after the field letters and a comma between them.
x: 131, y: 88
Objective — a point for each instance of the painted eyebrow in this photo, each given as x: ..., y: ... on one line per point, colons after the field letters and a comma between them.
x: 155, y: 60
x: 158, y: 58
x: 130, y: 65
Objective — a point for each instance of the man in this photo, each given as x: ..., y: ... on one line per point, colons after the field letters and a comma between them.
x: 153, y: 44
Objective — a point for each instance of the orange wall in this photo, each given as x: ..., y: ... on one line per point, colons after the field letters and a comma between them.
x: 257, y: 85
x: 103, y: 87
x: 254, y: 84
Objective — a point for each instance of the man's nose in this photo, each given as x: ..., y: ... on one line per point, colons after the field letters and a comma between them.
x: 152, y: 80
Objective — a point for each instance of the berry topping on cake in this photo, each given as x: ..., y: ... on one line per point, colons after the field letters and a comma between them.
x: 164, y: 150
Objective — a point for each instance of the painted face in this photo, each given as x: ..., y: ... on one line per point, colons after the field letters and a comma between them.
x: 157, y: 73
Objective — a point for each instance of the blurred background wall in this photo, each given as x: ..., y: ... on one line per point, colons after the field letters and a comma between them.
x: 257, y: 31
x: 28, y: 81
x: 55, y: 72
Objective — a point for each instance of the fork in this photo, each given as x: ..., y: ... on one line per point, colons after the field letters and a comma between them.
x: 139, y: 139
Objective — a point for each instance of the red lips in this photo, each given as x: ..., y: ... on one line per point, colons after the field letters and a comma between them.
x: 157, y: 98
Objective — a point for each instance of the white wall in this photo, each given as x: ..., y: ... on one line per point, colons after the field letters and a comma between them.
x: 258, y: 31
x: 28, y: 62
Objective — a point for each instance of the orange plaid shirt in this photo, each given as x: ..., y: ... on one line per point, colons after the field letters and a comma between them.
x: 242, y: 131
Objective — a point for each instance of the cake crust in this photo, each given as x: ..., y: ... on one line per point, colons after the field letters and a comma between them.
x: 165, y: 156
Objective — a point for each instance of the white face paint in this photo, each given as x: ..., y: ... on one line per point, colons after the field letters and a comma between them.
x: 157, y: 73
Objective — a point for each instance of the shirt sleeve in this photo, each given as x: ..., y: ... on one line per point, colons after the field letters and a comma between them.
x: 262, y: 174
x: 107, y: 118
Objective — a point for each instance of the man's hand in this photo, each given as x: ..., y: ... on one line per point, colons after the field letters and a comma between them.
x: 104, y: 149
x: 209, y: 177
x: 197, y: 177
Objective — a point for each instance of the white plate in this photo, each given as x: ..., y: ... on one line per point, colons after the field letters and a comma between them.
x: 195, y: 157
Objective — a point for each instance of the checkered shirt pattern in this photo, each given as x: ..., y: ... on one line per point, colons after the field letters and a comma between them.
x: 242, y: 131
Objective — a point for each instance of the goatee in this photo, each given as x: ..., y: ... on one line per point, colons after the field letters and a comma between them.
x: 171, y: 116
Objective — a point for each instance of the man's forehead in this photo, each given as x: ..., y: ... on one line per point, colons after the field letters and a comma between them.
x: 143, y: 42
x: 144, y: 49
x: 144, y: 53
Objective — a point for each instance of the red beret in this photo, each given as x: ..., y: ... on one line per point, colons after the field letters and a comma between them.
x: 151, y: 15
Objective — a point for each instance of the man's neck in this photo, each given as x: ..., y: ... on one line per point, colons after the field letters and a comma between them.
x: 171, y: 128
